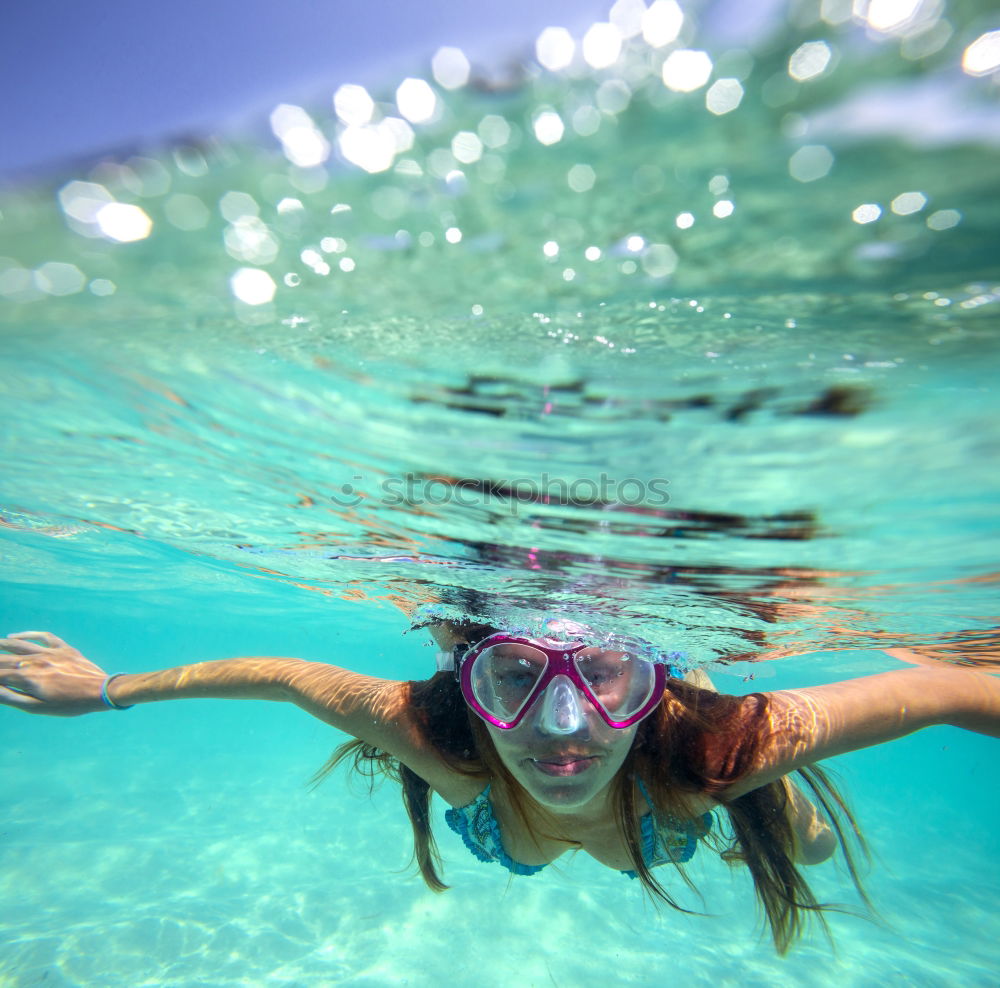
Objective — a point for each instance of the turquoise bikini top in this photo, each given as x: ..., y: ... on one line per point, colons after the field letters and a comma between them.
x: 671, y: 840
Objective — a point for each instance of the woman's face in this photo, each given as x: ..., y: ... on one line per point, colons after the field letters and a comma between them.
x: 560, y: 771
x: 563, y: 772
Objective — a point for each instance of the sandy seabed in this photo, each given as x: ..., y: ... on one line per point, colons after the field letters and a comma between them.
x: 222, y: 869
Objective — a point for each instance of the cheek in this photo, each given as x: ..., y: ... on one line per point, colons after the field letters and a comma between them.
x: 615, y: 744
x: 504, y: 745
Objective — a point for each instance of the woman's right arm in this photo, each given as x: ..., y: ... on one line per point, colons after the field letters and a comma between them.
x: 42, y: 674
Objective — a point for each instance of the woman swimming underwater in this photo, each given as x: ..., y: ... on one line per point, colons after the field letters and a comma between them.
x: 568, y: 739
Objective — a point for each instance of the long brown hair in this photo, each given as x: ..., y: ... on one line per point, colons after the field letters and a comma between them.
x: 684, y: 748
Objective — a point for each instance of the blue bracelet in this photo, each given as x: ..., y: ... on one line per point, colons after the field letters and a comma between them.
x: 108, y: 702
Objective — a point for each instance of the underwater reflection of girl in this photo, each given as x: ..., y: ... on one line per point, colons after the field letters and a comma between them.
x: 570, y: 740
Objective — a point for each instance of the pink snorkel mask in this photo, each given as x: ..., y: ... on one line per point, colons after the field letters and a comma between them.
x: 503, y: 676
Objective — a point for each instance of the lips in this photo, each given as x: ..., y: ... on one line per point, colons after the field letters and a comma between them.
x: 563, y: 765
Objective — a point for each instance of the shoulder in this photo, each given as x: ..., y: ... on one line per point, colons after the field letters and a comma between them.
x: 413, y: 721
x: 426, y: 732
x: 459, y: 791
x: 457, y: 787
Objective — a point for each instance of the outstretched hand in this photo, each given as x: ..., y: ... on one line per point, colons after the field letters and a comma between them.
x: 41, y: 674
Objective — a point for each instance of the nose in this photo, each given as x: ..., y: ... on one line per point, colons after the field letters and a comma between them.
x: 561, y: 713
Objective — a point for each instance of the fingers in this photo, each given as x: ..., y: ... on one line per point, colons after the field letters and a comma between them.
x: 44, y: 636
x: 17, y: 647
x: 13, y: 698
x: 42, y: 656
x: 11, y: 675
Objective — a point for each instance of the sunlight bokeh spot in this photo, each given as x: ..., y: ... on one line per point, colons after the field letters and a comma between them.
x: 450, y: 68
x: 662, y: 23
x: 353, y: 105
x: 602, y: 44
x: 548, y: 127
x: 724, y: 96
x: 554, y: 48
x: 252, y: 286
x: 982, y: 57
x: 416, y: 100
x: 809, y: 60
x: 124, y: 223
x: 686, y: 70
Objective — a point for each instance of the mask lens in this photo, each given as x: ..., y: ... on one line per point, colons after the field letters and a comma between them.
x: 504, y: 676
x: 621, y: 682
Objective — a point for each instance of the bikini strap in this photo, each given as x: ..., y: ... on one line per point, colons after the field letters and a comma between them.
x: 645, y: 794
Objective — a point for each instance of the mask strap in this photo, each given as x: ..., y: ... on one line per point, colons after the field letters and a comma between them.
x: 448, y: 661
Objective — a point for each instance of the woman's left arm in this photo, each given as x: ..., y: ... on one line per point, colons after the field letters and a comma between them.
x: 808, y: 725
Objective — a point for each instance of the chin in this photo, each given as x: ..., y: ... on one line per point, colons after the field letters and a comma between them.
x: 558, y: 787
x: 560, y: 797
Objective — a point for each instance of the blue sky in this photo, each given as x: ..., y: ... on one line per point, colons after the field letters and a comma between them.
x: 80, y: 78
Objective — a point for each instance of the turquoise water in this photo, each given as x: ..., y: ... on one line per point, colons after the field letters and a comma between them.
x: 656, y: 374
